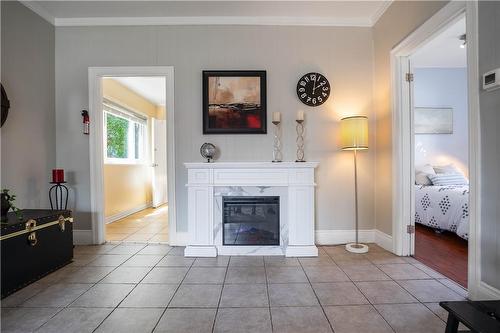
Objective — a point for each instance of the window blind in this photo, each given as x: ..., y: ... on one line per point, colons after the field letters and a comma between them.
x: 123, y: 112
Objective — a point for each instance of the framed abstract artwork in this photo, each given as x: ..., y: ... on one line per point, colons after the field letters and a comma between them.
x: 234, y: 102
x: 433, y: 120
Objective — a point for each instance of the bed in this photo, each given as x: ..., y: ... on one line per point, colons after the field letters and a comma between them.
x: 443, y: 208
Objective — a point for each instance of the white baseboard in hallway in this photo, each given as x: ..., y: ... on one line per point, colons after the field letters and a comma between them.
x: 121, y: 215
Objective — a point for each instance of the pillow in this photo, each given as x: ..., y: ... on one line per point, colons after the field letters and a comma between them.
x: 421, y: 174
x: 448, y: 179
x: 422, y: 178
x: 450, y: 168
x: 427, y: 168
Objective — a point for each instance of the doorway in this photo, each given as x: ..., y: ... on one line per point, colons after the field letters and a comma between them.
x: 440, y: 152
x: 403, y: 212
x: 132, y: 154
x: 135, y: 149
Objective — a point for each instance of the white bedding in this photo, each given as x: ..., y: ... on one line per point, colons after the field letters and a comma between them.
x: 443, y: 207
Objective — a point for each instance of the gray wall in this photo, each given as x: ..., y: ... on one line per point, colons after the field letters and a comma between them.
x: 28, y: 135
x: 443, y: 87
x: 344, y: 55
x: 489, y: 58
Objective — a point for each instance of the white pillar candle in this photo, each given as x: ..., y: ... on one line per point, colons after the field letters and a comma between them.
x: 300, y: 115
x: 276, y: 116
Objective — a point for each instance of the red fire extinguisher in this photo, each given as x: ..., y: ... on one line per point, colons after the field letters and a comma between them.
x: 86, y: 121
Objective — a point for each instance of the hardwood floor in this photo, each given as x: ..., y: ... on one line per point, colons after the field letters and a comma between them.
x: 446, y: 253
x: 149, y: 225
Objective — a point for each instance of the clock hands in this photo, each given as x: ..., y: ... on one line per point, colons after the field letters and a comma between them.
x: 319, y: 86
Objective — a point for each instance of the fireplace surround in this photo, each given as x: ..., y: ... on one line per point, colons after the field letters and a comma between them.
x: 237, y: 192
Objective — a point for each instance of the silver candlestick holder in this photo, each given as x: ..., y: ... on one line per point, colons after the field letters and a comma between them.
x: 300, y: 140
x: 277, y: 156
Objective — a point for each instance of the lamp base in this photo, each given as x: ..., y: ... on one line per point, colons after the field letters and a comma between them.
x: 356, y: 248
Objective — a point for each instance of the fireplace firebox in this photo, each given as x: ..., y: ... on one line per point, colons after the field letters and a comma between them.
x: 251, y: 220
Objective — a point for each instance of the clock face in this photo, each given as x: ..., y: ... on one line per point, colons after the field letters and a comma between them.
x: 313, y: 89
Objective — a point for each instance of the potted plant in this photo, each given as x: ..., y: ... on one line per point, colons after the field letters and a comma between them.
x: 8, y: 204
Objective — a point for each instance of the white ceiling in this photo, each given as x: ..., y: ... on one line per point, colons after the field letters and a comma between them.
x: 288, y: 12
x: 444, y: 50
x: 151, y: 88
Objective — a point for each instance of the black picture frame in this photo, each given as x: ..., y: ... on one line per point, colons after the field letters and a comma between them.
x: 209, y: 122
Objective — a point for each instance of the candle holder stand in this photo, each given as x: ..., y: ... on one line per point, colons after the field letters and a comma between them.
x: 300, y: 140
x: 277, y: 155
x: 58, y: 196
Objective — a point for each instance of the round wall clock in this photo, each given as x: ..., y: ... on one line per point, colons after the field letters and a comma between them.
x: 313, y: 89
x: 5, y: 106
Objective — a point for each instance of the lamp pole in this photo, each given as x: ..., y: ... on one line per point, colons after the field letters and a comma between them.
x: 356, y: 191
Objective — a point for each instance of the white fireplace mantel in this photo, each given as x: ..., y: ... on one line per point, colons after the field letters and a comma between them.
x: 293, y: 181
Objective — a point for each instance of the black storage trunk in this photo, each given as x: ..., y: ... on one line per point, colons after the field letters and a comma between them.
x: 32, y: 247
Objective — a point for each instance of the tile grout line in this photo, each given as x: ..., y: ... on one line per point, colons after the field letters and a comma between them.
x: 173, y: 295
x: 399, y: 284
x: 68, y: 305
x: 268, y: 298
x: 371, y: 304
x: 221, y: 291
x: 317, y: 298
x: 135, y: 285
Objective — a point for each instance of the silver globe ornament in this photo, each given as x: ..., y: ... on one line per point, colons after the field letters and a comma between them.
x: 208, y: 151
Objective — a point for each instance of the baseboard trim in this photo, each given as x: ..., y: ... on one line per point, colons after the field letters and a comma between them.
x: 486, y: 291
x: 384, y: 240
x: 334, y: 237
x: 83, y: 237
x: 121, y: 215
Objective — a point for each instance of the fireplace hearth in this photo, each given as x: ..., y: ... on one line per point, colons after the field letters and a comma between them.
x: 251, y: 220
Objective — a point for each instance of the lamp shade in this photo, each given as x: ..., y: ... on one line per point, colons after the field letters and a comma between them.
x: 354, y: 133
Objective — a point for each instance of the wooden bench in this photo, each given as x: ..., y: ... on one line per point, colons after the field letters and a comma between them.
x: 478, y: 316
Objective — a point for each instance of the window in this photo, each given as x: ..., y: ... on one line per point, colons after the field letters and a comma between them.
x: 125, y: 135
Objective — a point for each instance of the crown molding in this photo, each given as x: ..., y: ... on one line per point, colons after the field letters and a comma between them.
x: 378, y: 14
x: 39, y: 10
x: 214, y: 20
x: 209, y: 20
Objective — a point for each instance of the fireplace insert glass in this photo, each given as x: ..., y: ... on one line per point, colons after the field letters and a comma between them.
x: 251, y: 220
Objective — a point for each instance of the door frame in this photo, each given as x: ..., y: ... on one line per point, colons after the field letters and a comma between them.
x: 96, y: 143
x: 402, y: 135
x: 153, y: 160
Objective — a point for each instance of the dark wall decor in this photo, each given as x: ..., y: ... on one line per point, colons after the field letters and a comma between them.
x: 234, y: 102
x: 313, y: 89
x: 5, y: 106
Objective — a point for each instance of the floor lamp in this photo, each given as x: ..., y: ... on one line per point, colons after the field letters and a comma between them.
x: 354, y: 136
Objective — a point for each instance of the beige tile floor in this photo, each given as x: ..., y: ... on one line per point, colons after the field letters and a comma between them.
x: 152, y: 288
x: 149, y: 225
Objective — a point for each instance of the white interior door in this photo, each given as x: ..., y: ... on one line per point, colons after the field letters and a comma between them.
x: 159, y: 162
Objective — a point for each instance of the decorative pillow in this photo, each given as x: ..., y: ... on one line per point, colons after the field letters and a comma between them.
x: 421, y: 174
x: 422, y: 178
x: 427, y: 168
x: 450, y: 168
x: 448, y: 179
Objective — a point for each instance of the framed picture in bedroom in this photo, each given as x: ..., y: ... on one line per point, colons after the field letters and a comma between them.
x: 430, y: 120
x: 234, y: 102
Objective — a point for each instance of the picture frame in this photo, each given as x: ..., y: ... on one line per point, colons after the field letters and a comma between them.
x: 234, y: 102
x: 433, y: 120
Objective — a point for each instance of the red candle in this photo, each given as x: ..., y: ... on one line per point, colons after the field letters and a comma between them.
x: 57, y: 175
